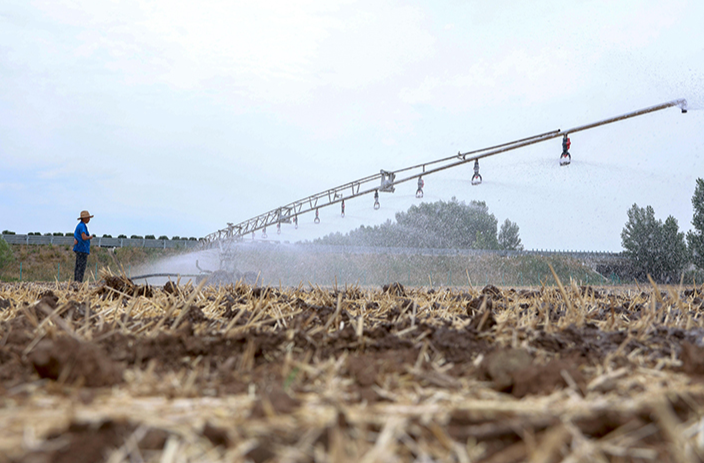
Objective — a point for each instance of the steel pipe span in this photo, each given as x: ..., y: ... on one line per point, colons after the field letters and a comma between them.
x: 385, y: 181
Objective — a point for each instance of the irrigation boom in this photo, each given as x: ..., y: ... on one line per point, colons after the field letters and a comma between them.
x: 385, y: 181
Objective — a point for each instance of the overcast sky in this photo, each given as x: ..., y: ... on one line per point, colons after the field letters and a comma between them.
x: 176, y: 117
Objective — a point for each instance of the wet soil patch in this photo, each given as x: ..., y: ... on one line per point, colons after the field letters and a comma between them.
x: 590, y: 343
x: 458, y: 346
x: 172, y: 351
x: 594, y: 344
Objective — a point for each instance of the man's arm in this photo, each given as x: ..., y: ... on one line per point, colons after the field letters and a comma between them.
x: 85, y: 237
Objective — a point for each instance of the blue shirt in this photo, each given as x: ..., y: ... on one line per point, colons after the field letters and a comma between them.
x: 83, y: 245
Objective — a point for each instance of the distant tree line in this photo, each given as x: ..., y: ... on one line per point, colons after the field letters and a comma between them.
x: 658, y: 248
x: 135, y: 237
x: 452, y: 224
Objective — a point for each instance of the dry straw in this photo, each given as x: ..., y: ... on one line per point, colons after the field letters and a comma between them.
x: 238, y: 373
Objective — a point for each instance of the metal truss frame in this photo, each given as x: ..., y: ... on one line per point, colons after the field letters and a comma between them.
x: 385, y: 181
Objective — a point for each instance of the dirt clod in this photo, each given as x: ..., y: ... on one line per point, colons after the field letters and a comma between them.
x: 483, y: 321
x: 71, y: 361
x: 544, y: 379
x: 501, y: 365
x: 113, y: 285
x: 277, y: 401
x: 83, y: 442
x: 692, y: 358
x: 395, y: 289
x: 218, y: 436
x: 170, y: 287
x: 49, y: 298
x: 476, y: 304
x: 492, y: 291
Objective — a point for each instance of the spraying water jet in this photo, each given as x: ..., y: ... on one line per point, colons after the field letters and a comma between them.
x: 388, y: 179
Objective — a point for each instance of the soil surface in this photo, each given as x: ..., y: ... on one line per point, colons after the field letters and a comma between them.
x: 137, y: 373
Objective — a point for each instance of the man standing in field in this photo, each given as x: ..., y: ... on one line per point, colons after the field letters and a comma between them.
x: 81, y: 245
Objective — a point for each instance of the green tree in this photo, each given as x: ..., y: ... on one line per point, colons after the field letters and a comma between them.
x: 451, y: 224
x: 695, y: 238
x: 485, y: 240
x: 508, y: 237
x: 653, y: 248
x: 675, y: 248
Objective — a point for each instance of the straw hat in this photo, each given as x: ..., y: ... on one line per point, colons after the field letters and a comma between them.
x: 85, y: 215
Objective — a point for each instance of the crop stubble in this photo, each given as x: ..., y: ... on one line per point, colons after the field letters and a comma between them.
x: 120, y: 372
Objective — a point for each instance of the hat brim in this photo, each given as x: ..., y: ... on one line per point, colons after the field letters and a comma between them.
x: 86, y: 217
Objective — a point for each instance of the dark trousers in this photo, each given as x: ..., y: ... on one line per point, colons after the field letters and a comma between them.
x: 81, y: 261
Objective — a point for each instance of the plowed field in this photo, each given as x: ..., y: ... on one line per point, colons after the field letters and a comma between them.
x: 119, y: 372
